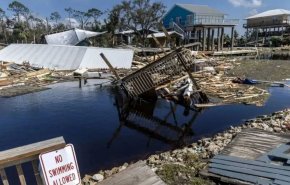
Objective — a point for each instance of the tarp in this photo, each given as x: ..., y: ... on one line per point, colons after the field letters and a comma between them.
x: 58, y: 57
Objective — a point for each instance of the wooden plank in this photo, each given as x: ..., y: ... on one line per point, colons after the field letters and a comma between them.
x: 29, y: 152
x: 36, y: 172
x: 21, y: 174
x: 278, y: 182
x: 205, y: 173
x: 158, y: 43
x: 279, y: 152
x: 250, y: 162
x: 209, y: 105
x: 243, y: 171
x: 167, y: 35
x: 238, y: 176
x: 252, y: 167
x: 243, y: 146
x: 136, y: 174
x: 4, y: 177
x: 38, y: 73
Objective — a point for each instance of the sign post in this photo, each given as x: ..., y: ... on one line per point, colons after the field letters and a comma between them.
x: 60, y: 167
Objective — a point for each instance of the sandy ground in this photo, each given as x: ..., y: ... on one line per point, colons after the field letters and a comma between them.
x: 269, y: 70
x: 21, y: 90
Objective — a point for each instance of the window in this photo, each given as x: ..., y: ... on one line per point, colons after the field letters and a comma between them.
x: 178, y: 20
x: 189, y: 19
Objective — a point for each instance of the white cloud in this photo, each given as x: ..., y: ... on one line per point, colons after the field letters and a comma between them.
x: 253, y: 12
x: 246, y: 3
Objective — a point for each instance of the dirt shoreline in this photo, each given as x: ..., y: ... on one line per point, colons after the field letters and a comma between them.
x: 182, y: 166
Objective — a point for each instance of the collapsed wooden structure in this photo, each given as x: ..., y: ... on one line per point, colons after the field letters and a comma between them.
x: 161, y: 72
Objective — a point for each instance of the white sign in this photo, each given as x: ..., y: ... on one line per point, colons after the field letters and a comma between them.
x: 60, y: 167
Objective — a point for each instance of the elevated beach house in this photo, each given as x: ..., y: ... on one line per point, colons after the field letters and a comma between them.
x: 200, y: 23
x: 269, y: 23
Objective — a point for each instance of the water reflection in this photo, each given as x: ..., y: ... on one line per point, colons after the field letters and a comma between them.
x: 139, y: 115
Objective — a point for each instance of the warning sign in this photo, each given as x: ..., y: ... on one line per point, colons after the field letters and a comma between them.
x: 60, y: 167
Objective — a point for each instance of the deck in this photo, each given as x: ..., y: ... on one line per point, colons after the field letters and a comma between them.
x: 250, y: 144
x: 136, y: 174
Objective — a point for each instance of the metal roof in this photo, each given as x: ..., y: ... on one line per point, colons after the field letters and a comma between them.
x: 70, y: 37
x: 60, y: 57
x: 133, y: 31
x: 269, y: 13
x: 200, y: 9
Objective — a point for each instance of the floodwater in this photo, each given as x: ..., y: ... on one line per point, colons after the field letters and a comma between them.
x: 89, y: 119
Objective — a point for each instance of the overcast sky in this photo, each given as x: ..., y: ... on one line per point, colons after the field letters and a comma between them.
x: 234, y: 8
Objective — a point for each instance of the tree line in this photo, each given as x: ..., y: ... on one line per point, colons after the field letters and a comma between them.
x: 25, y: 26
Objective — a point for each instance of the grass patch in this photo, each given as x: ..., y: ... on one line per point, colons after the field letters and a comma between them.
x: 186, y: 173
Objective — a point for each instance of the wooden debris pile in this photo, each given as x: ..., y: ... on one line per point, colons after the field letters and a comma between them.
x: 205, y: 76
x: 13, y: 74
x: 227, y: 92
x: 141, y: 61
x: 18, y: 79
x: 212, y: 81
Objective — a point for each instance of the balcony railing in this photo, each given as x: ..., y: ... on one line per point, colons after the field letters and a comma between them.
x: 267, y: 24
x: 214, y: 22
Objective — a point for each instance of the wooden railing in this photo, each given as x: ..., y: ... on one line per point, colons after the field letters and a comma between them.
x: 29, y: 153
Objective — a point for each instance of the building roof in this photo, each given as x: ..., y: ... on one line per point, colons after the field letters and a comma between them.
x: 133, y: 31
x: 200, y: 9
x: 70, y: 37
x: 59, y: 57
x: 269, y: 13
x: 162, y: 34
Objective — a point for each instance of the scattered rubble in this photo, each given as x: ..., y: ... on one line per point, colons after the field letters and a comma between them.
x: 22, y: 79
x: 211, y: 78
x: 222, y: 87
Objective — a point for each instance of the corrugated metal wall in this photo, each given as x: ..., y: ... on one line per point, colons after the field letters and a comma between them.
x: 65, y: 57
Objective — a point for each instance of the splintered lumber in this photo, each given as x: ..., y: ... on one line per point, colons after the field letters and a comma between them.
x: 138, y: 63
x: 236, y: 52
x: 5, y: 82
x: 208, y: 105
x: 171, y: 82
x: 38, y: 73
x: 222, y: 87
